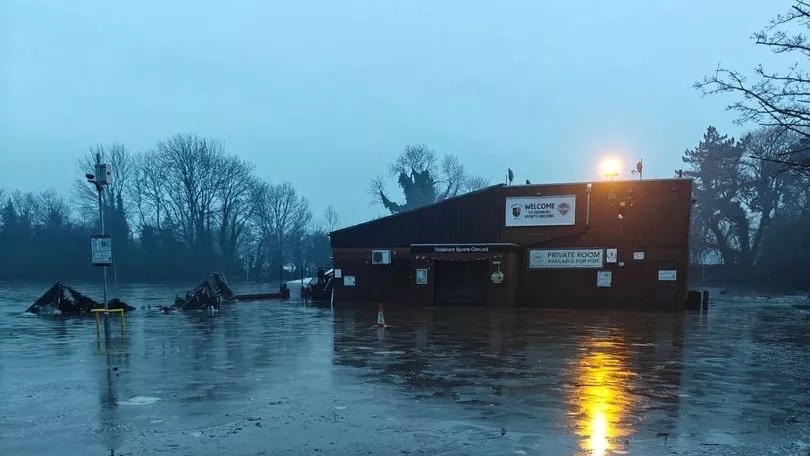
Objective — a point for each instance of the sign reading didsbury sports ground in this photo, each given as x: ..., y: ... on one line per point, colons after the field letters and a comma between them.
x: 540, y: 210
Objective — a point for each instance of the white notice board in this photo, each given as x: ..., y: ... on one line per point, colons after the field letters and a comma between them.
x: 101, y: 249
x: 667, y: 275
x: 604, y: 279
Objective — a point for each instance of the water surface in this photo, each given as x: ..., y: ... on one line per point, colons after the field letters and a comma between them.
x: 293, y: 378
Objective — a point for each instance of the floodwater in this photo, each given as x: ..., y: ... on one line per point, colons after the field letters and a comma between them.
x: 290, y: 378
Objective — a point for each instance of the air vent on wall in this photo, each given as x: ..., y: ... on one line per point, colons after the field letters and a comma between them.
x: 380, y: 257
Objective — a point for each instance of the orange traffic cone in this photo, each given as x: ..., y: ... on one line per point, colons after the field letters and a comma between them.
x: 381, y: 318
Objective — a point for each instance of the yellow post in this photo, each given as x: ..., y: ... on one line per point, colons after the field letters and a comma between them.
x: 108, y: 312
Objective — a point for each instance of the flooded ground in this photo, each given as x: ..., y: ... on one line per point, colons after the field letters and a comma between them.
x: 289, y: 378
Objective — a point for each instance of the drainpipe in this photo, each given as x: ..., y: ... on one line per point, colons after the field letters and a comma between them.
x: 588, y: 208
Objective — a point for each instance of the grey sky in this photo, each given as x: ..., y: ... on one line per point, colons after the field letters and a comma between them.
x: 324, y: 93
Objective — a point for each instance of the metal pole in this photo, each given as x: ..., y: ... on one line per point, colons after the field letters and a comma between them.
x: 104, y: 268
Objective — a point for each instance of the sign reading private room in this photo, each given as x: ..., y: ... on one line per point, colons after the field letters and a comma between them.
x: 540, y: 210
x: 566, y: 258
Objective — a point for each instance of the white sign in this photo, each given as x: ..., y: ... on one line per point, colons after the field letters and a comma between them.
x: 421, y: 276
x: 612, y: 255
x: 101, y: 250
x: 566, y: 258
x: 348, y: 281
x: 338, y: 273
x: 603, y: 279
x: 667, y: 275
x: 638, y: 255
x: 541, y: 210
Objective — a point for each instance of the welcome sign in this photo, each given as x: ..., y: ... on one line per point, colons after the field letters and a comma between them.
x: 566, y: 258
x: 541, y: 210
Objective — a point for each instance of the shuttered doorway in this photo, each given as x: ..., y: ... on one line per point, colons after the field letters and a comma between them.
x: 461, y: 282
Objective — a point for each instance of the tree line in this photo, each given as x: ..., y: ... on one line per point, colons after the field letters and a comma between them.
x: 752, y: 194
x: 186, y: 207
x: 178, y: 211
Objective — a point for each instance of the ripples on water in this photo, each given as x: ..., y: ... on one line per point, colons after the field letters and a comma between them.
x: 448, y: 380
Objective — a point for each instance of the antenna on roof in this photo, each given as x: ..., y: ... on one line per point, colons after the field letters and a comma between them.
x: 509, y: 176
x: 639, y: 169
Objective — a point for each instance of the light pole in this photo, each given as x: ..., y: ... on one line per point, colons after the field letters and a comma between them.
x: 101, y: 247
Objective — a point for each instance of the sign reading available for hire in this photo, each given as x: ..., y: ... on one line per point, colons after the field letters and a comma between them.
x: 540, y: 210
x: 566, y: 258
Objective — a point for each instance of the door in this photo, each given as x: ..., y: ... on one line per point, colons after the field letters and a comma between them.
x: 461, y: 282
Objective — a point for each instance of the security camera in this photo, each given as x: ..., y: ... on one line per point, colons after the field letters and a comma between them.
x: 90, y: 176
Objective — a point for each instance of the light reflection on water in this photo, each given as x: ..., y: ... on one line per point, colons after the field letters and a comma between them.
x: 600, y: 398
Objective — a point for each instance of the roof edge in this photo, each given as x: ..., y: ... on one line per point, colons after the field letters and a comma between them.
x: 437, y: 203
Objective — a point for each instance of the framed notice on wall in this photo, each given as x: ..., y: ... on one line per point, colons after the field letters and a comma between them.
x: 421, y: 276
x: 604, y: 279
x: 541, y: 210
x: 667, y: 275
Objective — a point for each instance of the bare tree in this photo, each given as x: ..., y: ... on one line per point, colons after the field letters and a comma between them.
x: 453, y: 177
x: 424, y: 179
x: 149, y: 191
x: 415, y: 158
x: 330, y: 220
x: 189, y: 171
x: 123, y: 166
x: 282, y: 217
x: 765, y: 180
x: 52, y: 210
x: 473, y: 183
x: 237, y: 202
x: 774, y: 99
x: 27, y: 207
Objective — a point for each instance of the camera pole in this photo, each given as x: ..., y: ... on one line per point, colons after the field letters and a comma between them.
x: 100, y: 180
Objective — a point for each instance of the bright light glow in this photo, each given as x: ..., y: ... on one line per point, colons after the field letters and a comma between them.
x: 599, y: 442
x: 610, y: 167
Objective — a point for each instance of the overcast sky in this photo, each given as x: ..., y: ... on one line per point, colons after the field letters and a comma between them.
x: 324, y: 93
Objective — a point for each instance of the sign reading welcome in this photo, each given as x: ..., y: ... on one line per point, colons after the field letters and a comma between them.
x: 540, y: 210
x: 566, y: 258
